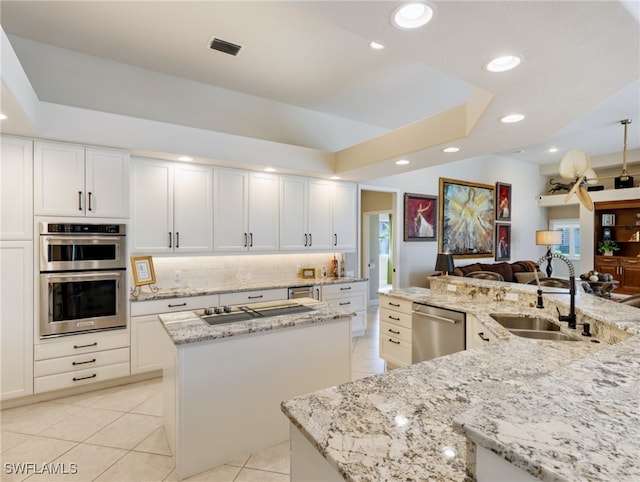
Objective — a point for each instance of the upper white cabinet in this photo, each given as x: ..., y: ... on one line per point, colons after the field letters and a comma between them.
x: 71, y: 180
x: 345, y: 216
x: 317, y: 215
x: 305, y: 214
x: 16, y: 189
x: 245, y: 211
x: 172, y: 207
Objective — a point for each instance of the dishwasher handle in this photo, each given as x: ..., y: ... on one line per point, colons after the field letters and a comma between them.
x: 434, y: 317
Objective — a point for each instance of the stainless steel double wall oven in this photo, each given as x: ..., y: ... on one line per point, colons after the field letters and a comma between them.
x: 82, y: 278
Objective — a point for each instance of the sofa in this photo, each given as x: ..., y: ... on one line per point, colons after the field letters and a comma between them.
x: 516, y: 272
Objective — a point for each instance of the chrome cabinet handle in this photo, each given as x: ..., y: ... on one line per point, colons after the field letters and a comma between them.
x: 482, y: 337
x: 85, y: 378
x: 79, y: 200
x: 90, y: 209
x: 95, y: 343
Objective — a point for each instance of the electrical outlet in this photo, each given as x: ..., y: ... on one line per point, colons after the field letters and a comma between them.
x: 451, y: 288
x: 178, y: 276
x: 512, y: 297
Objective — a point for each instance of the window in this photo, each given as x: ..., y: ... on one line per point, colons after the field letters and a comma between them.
x: 570, y: 228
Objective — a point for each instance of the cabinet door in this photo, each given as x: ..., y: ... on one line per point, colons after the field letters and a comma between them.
x: 319, y: 215
x: 152, y: 212
x: 630, y: 275
x: 230, y: 231
x: 264, y: 201
x: 147, y: 336
x: 193, y: 208
x: 16, y: 189
x: 59, y: 179
x: 608, y: 264
x: 345, y: 216
x: 107, y: 183
x: 293, y: 213
x: 16, y: 319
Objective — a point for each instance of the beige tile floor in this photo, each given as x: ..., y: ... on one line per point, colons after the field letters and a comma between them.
x: 116, y: 434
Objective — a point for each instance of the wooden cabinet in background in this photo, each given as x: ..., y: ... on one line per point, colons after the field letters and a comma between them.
x: 620, y: 219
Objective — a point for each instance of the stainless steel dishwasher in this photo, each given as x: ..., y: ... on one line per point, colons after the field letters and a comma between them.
x: 436, y: 332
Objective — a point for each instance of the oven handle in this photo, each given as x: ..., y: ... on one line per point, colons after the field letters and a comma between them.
x: 94, y: 275
x: 75, y: 239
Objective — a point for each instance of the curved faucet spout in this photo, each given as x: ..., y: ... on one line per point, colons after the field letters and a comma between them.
x: 571, y: 317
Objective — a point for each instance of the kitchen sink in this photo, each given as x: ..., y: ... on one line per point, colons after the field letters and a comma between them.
x: 544, y: 335
x: 525, y: 322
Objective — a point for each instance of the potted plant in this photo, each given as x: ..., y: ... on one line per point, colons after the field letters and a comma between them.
x: 608, y: 247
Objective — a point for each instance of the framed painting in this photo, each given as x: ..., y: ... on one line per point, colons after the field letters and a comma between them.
x: 466, y: 219
x: 420, y: 217
x: 143, y: 272
x: 503, y: 201
x: 503, y: 242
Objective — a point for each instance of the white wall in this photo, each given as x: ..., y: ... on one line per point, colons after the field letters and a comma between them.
x: 417, y: 259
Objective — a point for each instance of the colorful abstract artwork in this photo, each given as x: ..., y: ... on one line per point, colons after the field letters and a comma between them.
x: 420, y: 217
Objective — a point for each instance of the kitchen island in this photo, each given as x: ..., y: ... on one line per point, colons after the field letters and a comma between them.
x: 400, y: 425
x: 223, y: 383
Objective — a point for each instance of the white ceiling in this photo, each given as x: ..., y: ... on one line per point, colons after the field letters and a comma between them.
x: 305, y: 75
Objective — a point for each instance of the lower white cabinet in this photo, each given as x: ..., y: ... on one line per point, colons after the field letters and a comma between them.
x: 350, y: 296
x: 477, y: 333
x: 256, y: 296
x: 16, y: 319
x: 395, y: 331
x: 80, y: 359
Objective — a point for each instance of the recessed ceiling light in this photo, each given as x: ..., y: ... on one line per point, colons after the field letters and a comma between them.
x: 451, y: 149
x: 412, y: 15
x: 3, y: 117
x: 553, y: 149
x: 504, y: 63
x: 269, y: 169
x: 511, y: 118
x: 376, y: 45
x: 335, y: 178
x: 402, y: 162
x: 185, y: 158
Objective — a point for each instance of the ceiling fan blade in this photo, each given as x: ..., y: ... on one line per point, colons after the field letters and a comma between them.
x: 574, y: 188
x: 574, y: 163
x: 584, y: 198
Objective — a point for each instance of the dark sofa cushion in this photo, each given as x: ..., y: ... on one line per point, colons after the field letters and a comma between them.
x: 463, y: 270
x: 503, y: 268
x: 507, y: 270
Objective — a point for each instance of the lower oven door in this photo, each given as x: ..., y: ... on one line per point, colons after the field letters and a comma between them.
x: 82, y: 301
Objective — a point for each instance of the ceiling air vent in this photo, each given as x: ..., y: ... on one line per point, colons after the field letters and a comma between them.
x: 224, y: 46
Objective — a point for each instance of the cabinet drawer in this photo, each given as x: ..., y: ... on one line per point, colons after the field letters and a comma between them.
x: 608, y: 260
x: 354, y: 301
x: 343, y: 289
x: 187, y: 303
x: 630, y: 263
x: 395, y: 304
x: 395, y: 351
x: 80, y: 377
x: 396, y: 317
x: 394, y: 331
x: 253, y: 297
x: 79, y: 344
x: 80, y: 362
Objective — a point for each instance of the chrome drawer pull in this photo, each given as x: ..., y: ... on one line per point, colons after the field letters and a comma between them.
x: 84, y: 378
x: 95, y: 343
x: 83, y: 362
x: 393, y: 341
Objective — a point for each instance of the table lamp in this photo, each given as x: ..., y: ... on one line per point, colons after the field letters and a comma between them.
x: 548, y: 238
x: 444, y: 263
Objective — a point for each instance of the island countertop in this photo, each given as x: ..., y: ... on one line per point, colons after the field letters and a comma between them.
x: 399, y: 425
x: 186, y: 327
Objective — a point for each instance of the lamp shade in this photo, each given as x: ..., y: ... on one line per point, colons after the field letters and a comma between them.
x: 444, y: 262
x: 548, y: 238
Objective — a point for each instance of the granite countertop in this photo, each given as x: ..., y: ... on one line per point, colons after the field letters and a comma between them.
x: 400, y: 425
x: 186, y: 291
x: 186, y: 327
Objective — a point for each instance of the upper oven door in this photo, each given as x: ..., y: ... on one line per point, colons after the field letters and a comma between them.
x: 72, y: 252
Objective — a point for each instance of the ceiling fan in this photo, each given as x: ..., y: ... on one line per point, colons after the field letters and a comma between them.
x: 576, y: 165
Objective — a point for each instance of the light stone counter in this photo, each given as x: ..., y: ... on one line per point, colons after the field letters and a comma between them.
x: 185, y: 291
x: 399, y: 425
x: 187, y: 327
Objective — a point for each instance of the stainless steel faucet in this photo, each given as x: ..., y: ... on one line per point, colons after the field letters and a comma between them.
x: 571, y: 317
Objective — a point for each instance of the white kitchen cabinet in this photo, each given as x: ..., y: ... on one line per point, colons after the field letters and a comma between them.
x: 16, y: 189
x: 147, y: 332
x: 349, y: 296
x: 245, y: 211
x: 477, y: 334
x: 395, y: 331
x: 255, y: 296
x: 305, y: 214
x: 73, y: 180
x: 16, y: 319
x: 345, y: 216
x: 76, y: 360
x: 172, y: 207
